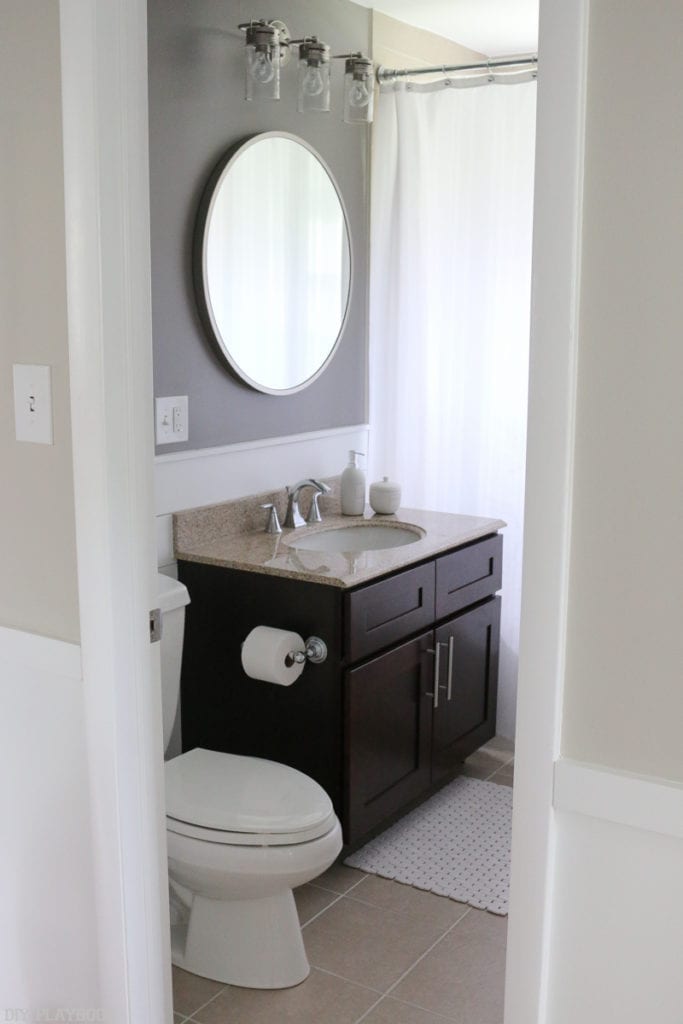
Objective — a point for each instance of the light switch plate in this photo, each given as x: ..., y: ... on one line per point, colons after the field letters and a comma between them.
x: 33, y: 403
x: 171, y: 419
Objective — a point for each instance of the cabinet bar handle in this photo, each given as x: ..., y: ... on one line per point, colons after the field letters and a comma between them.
x: 436, y: 651
x: 451, y: 644
x: 437, y: 663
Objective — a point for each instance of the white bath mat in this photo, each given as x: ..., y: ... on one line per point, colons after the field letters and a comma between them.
x: 457, y: 844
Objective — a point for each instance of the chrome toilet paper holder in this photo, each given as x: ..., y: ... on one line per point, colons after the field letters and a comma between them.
x: 315, y: 652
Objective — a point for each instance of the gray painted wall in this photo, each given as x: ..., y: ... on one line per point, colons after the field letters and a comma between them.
x: 196, y: 112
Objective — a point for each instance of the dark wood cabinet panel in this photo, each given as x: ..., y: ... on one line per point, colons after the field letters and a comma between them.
x: 388, y: 728
x: 223, y: 709
x: 382, y: 613
x: 468, y: 575
x: 466, y: 715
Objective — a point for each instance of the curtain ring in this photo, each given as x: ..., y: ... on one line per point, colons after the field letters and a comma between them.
x: 490, y: 74
x: 447, y: 80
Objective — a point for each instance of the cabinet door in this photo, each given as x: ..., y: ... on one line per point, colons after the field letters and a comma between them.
x: 466, y: 713
x: 388, y: 725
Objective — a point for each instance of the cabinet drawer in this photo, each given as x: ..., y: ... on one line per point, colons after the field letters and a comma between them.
x: 384, y: 612
x: 468, y: 575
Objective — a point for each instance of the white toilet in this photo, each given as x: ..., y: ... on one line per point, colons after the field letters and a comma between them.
x: 241, y: 833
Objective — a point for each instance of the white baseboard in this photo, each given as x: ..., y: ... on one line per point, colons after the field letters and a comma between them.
x: 189, y: 479
x: 40, y: 654
x: 639, y: 801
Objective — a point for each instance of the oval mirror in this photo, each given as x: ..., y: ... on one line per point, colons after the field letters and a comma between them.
x: 273, y: 262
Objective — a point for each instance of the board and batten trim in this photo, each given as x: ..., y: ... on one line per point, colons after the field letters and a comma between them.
x: 189, y: 479
x: 644, y: 802
x: 42, y: 654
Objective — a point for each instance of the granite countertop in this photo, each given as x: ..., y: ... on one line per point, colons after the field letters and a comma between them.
x: 232, y: 535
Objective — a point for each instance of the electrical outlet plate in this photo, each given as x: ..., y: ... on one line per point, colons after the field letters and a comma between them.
x: 171, y: 415
x: 33, y: 403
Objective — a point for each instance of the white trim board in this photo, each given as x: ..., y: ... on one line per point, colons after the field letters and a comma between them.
x: 563, y: 39
x: 624, y: 798
x: 106, y: 187
x: 188, y: 479
x: 40, y: 653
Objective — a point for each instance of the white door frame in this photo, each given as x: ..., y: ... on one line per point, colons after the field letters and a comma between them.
x: 558, y: 201
x: 105, y: 134
x: 104, y: 79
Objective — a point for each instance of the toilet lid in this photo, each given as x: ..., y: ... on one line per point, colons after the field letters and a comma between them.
x: 232, y: 793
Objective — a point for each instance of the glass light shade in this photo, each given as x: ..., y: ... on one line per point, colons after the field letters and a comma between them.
x: 262, y: 63
x: 359, y: 91
x: 314, y: 76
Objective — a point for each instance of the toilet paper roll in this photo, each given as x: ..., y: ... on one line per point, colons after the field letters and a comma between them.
x: 264, y: 655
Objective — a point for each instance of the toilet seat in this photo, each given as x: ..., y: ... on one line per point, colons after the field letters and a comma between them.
x: 243, y: 801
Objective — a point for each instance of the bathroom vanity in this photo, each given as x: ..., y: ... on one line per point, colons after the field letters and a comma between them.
x: 408, y: 689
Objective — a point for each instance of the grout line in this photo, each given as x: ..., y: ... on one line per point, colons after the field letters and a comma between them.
x: 338, y: 895
x: 324, y: 889
x: 395, y: 910
x: 498, y: 769
x: 409, y: 969
x: 348, y: 981
x: 416, y: 1006
x: 321, y: 912
x: 198, y: 1009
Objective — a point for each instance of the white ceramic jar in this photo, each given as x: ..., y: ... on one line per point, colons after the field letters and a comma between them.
x: 385, y: 496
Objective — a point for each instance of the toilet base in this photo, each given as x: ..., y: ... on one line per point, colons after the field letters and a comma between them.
x: 253, y: 943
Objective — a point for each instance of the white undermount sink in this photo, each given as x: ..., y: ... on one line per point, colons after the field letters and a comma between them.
x: 365, y: 537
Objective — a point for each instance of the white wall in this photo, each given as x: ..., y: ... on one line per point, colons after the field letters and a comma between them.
x: 396, y: 44
x: 48, y: 959
x: 48, y: 953
x: 619, y: 934
x: 616, y: 932
x: 38, y: 589
x: 624, y: 700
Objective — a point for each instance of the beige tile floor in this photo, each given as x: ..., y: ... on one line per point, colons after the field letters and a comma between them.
x: 380, y: 952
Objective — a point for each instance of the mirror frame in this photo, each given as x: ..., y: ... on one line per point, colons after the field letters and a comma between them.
x: 200, y: 277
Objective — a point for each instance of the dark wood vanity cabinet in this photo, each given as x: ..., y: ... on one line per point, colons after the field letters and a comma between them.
x: 401, y: 739
x: 366, y: 723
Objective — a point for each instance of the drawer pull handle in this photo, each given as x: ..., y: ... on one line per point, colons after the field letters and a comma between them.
x: 451, y: 644
x: 436, y: 651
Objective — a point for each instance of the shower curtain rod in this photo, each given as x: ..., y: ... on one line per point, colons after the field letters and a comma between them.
x: 523, y: 61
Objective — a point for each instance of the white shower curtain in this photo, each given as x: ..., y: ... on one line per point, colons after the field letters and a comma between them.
x: 452, y: 197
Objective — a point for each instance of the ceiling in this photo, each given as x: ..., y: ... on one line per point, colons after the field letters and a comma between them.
x: 493, y: 27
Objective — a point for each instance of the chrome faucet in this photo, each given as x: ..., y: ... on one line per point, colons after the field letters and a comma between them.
x: 293, y: 518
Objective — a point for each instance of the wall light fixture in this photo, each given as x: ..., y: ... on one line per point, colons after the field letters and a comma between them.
x: 314, y: 75
x: 267, y: 50
x: 359, y: 88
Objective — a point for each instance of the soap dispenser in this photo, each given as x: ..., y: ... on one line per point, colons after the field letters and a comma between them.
x: 353, y: 487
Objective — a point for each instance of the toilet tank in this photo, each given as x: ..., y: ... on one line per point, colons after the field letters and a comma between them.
x: 172, y: 598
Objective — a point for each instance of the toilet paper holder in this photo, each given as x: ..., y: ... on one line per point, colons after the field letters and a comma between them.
x: 315, y: 652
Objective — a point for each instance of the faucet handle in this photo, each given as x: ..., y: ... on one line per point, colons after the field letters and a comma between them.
x: 314, y: 515
x: 314, y: 512
x: 273, y: 523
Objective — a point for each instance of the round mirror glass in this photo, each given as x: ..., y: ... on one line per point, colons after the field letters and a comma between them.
x: 274, y: 262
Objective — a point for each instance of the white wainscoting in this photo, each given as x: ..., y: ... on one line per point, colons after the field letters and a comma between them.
x: 638, y: 801
x: 49, y: 948
x: 189, y: 479
x: 617, y: 921
x: 54, y: 658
